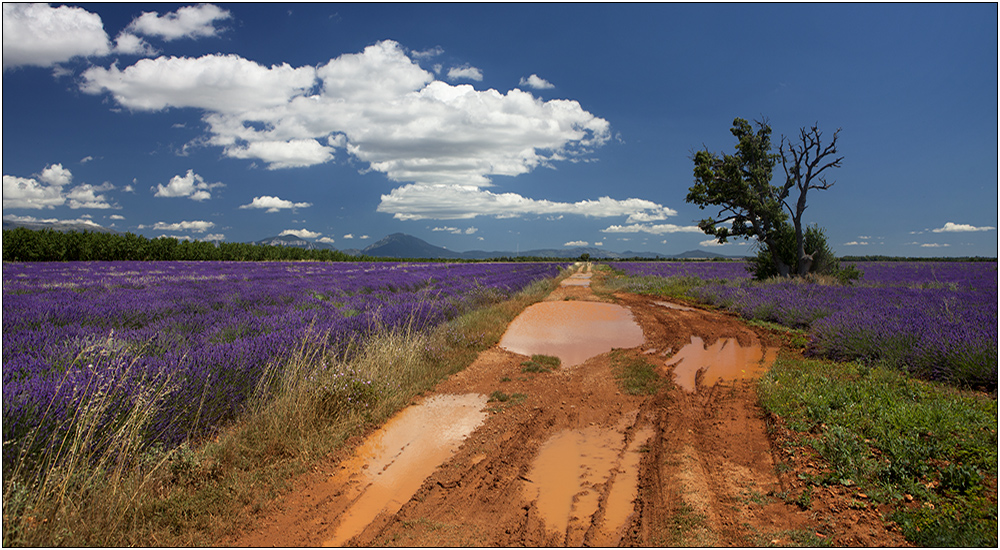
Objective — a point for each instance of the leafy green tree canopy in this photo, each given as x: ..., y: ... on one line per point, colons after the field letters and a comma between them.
x: 739, y: 185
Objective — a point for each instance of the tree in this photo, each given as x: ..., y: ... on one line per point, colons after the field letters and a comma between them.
x: 740, y: 185
x: 805, y: 171
x: 816, y: 246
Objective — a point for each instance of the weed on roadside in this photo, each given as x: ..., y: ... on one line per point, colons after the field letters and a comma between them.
x: 503, y: 400
x: 928, y: 450
x: 541, y: 363
x: 501, y: 397
x: 686, y: 527
x: 635, y: 375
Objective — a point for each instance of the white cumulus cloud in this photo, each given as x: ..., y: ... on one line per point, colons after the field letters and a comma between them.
x: 198, y: 226
x: 536, y: 82
x: 284, y: 154
x: 274, y: 204
x: 56, y: 175
x: 576, y: 243
x: 428, y: 53
x: 32, y: 219
x: 301, y: 233
x: 89, y: 196
x: 29, y: 193
x: 654, y: 229
x: 444, y: 142
x: 457, y: 230
x: 444, y: 202
x: 219, y: 83
x: 187, y: 22
x: 465, y: 73
x: 950, y: 227
x: 190, y: 185
x: 40, y: 35
x: 128, y: 43
x: 19, y: 192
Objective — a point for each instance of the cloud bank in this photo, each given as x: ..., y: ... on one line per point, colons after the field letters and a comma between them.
x: 198, y: 226
x: 536, y: 82
x: 950, y: 227
x: 48, y: 191
x: 653, y: 229
x: 43, y: 36
x: 187, y: 22
x: 40, y: 35
x: 274, y: 204
x: 444, y: 142
x: 301, y: 233
x: 190, y: 185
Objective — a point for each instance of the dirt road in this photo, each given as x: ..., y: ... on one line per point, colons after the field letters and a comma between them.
x: 567, y: 458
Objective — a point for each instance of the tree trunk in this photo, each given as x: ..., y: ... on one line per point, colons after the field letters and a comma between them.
x: 784, y: 270
x: 803, y: 261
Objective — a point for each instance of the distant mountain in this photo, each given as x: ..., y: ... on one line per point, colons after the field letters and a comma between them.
x: 608, y: 254
x: 292, y: 240
x: 703, y: 255
x: 58, y: 226
x: 401, y: 245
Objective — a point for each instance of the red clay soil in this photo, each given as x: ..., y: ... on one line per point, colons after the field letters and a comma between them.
x: 570, y: 459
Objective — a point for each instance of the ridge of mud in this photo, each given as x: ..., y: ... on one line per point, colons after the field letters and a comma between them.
x: 675, y: 468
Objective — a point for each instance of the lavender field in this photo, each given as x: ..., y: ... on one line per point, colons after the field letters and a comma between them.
x: 202, y: 333
x: 937, y: 320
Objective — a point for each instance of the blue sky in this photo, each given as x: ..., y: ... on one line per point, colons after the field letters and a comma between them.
x: 496, y: 126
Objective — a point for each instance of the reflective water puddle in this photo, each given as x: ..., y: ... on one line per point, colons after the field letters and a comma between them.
x: 568, y: 475
x: 393, y: 462
x: 573, y: 331
x: 577, y: 279
x: 624, y: 491
x: 723, y: 360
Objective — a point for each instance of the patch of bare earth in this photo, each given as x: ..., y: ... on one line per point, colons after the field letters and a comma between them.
x: 567, y: 458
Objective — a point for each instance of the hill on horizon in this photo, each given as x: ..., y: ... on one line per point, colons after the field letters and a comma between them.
x: 401, y: 245
x: 404, y: 246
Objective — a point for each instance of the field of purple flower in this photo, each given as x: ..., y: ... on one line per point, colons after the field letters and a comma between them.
x: 204, y: 332
x: 937, y: 320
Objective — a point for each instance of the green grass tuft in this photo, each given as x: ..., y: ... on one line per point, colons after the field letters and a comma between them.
x: 541, y: 363
x: 635, y: 375
x: 893, y: 436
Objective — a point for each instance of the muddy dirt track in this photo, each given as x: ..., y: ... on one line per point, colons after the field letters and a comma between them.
x: 570, y: 459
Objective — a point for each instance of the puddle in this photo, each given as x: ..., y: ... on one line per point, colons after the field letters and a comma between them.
x: 569, y: 473
x: 393, y: 462
x: 674, y: 306
x: 624, y: 490
x: 573, y: 331
x: 577, y: 279
x: 566, y: 469
x: 723, y: 360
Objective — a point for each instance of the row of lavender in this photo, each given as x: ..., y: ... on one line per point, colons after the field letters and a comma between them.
x: 936, y: 319
x: 210, y: 327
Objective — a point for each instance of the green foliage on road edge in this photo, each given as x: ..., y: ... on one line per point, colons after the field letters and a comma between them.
x: 927, y: 450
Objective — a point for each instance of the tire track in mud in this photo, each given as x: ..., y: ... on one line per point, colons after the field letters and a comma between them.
x: 570, y: 459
